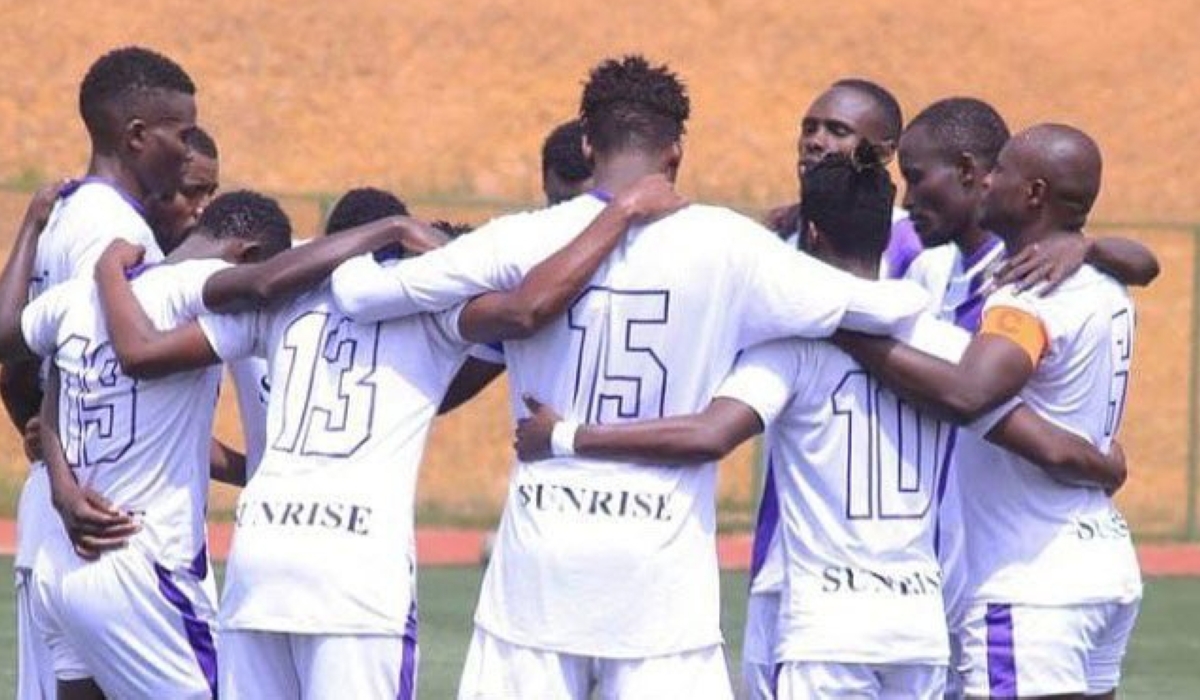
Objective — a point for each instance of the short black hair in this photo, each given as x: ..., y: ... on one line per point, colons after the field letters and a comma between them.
x: 964, y: 125
x: 248, y: 216
x: 453, y: 229
x: 849, y: 199
x: 629, y: 103
x: 120, y: 77
x: 201, y: 142
x: 362, y: 205
x: 562, y: 152
x: 882, y: 97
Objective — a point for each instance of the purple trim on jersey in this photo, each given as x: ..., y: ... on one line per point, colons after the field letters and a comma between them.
x: 73, y: 186
x: 904, y: 245
x: 498, y: 346
x: 1001, y: 663
x: 408, y: 663
x: 969, y: 314
x: 943, y: 479
x: 199, y: 636
x: 602, y: 195
x: 768, y: 522
x: 199, y: 565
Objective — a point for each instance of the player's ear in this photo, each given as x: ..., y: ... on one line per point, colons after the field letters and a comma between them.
x: 674, y: 159
x: 970, y: 173
x: 245, y: 251
x: 811, y: 237
x: 1035, y: 193
x: 885, y: 151
x: 134, y: 134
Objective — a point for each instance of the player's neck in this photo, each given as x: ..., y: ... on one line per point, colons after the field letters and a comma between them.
x: 1036, y: 233
x: 196, y: 246
x: 866, y: 269
x: 616, y: 172
x: 973, y: 241
x: 110, y: 168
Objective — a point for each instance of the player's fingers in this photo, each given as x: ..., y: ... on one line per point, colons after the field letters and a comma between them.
x: 531, y: 403
x: 98, y: 544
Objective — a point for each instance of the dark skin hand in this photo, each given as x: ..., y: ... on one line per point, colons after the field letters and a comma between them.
x: 1046, y: 264
x: 93, y: 524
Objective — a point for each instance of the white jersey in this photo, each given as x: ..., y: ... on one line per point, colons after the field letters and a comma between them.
x: 252, y: 382
x: 956, y: 284
x: 324, y: 532
x: 601, y: 558
x: 142, y: 444
x: 87, y: 217
x: 856, y: 473
x: 1034, y: 540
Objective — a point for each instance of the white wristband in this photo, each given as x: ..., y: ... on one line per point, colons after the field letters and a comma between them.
x: 562, y: 438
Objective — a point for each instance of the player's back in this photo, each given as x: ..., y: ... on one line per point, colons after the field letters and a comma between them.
x: 856, y: 471
x: 652, y: 335
x: 348, y: 414
x: 143, y: 444
x: 1036, y: 540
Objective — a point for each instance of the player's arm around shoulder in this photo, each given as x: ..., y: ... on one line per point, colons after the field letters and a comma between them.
x: 994, y: 367
x: 693, y: 439
x: 553, y: 284
x: 257, y: 285
x: 144, y: 351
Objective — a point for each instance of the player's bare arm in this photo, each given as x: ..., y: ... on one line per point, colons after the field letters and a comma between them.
x: 143, y: 351
x: 992, y: 370
x: 683, y: 440
x: 1066, y: 457
x: 1049, y: 262
x: 92, y: 523
x: 18, y: 271
x: 285, y: 275
x: 226, y: 464
x: 552, y: 284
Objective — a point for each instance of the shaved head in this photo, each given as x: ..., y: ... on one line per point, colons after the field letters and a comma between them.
x: 1069, y: 162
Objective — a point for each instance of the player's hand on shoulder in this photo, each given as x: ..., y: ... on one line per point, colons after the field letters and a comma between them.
x: 41, y: 204
x: 417, y: 236
x: 533, y: 432
x: 1044, y: 264
x: 783, y: 220
x: 120, y: 255
x: 651, y: 197
x: 93, y: 525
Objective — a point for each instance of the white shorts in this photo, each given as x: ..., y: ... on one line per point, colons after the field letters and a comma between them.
x: 499, y: 670
x: 257, y: 665
x: 1026, y: 650
x: 136, y: 628
x: 758, y: 649
x: 35, y: 669
x: 799, y: 680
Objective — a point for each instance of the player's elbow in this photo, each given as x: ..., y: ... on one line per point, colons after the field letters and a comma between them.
x: 964, y: 405
x: 140, y: 362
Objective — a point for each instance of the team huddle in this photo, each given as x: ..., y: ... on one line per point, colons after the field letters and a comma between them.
x: 939, y: 386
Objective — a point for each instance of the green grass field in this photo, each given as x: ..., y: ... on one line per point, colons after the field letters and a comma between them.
x: 1163, y: 663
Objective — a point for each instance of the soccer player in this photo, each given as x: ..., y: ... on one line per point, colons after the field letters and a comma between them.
x: 137, y: 106
x: 144, y: 446
x: 862, y: 609
x: 603, y: 575
x: 335, y: 488
x: 1053, y: 584
x: 566, y: 172
x: 852, y: 113
x: 172, y: 218
x: 945, y: 155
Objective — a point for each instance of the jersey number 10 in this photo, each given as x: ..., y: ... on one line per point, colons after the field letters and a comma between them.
x: 893, y: 451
